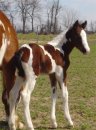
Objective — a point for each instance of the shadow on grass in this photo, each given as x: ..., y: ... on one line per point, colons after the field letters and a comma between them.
x: 3, y: 125
x: 50, y: 128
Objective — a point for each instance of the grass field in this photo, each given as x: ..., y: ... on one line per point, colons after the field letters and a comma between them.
x: 82, y: 93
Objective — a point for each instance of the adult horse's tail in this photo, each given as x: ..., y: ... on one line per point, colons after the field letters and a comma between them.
x: 8, y: 39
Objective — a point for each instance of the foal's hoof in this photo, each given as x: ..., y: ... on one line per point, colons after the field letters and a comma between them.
x: 21, y: 125
x: 54, y: 125
x: 71, y: 125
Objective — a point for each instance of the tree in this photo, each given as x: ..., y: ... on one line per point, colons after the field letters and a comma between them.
x: 69, y: 16
x: 23, y: 6
x: 52, y: 16
x: 92, y: 26
x: 57, y: 10
x: 33, y: 12
x: 4, y: 5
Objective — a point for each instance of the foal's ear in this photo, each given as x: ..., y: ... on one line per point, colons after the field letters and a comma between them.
x: 84, y: 24
x: 76, y: 24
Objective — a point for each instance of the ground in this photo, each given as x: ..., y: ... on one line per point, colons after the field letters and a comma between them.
x: 82, y: 92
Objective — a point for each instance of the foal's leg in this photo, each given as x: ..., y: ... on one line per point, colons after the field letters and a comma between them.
x: 13, y: 95
x: 26, y: 93
x: 65, y: 102
x: 54, y: 96
x: 61, y: 77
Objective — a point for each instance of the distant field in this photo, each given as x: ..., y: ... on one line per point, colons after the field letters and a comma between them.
x: 81, y: 86
x: 33, y: 37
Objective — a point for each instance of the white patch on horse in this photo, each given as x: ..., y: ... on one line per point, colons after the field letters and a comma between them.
x: 30, y: 61
x: 10, y: 35
x: 29, y: 84
x: 59, y: 76
x: 84, y: 40
x: 59, y: 40
x: 3, y: 48
x: 1, y: 23
x: 12, y: 100
x: 31, y: 56
x: 52, y: 60
x: 53, y: 107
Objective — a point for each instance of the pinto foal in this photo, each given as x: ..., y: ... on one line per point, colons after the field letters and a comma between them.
x: 52, y: 59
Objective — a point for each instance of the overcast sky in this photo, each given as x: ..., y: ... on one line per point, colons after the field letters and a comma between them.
x: 86, y: 8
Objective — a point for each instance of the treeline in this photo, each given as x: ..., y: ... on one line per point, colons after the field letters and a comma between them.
x: 40, y: 16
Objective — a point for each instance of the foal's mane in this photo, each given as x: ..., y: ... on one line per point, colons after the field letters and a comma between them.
x: 59, y: 40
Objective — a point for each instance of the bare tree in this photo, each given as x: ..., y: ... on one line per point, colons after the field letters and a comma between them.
x: 4, y: 5
x: 92, y: 26
x: 23, y: 6
x: 69, y: 16
x: 33, y: 12
x: 57, y: 10
x: 52, y: 16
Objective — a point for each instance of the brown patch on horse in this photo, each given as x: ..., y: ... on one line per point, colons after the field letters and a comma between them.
x: 56, y: 54
x: 11, y: 37
x: 25, y: 53
x: 41, y: 62
x: 53, y: 81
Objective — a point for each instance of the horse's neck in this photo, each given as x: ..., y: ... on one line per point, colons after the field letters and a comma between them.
x: 67, y: 48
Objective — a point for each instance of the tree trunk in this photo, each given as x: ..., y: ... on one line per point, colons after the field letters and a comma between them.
x: 23, y: 27
x: 32, y: 24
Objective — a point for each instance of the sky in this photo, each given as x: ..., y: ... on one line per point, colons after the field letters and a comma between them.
x: 86, y: 8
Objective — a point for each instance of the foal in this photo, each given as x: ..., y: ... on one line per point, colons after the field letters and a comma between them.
x: 52, y: 59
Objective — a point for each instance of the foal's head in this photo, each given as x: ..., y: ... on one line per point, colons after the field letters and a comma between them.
x: 77, y: 36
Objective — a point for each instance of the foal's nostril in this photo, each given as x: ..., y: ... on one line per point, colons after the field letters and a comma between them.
x: 86, y: 51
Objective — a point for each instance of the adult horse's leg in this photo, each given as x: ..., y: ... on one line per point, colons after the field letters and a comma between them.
x: 5, y: 102
x: 25, y: 94
x: 8, y: 82
x: 13, y: 96
x: 54, y: 96
x: 5, y: 96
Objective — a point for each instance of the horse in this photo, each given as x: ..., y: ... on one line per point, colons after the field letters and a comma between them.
x: 52, y: 59
x: 8, y: 47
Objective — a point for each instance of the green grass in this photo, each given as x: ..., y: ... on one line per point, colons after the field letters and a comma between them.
x: 82, y: 95
x: 33, y: 37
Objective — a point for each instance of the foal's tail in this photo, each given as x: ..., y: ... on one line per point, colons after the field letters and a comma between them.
x: 17, y: 63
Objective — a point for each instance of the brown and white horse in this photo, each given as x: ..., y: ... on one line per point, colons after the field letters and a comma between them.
x: 8, y: 46
x: 52, y: 59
